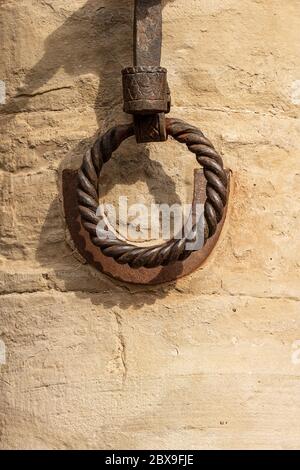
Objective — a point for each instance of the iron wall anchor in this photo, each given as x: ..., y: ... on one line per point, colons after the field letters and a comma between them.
x: 147, y: 98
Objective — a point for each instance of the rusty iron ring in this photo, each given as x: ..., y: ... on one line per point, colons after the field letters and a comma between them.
x: 174, y: 249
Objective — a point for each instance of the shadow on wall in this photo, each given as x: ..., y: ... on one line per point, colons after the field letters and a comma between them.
x: 95, y: 39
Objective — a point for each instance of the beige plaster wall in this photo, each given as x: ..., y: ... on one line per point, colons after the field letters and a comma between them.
x: 212, y: 360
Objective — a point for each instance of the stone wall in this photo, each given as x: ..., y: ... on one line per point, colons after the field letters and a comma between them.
x: 210, y: 361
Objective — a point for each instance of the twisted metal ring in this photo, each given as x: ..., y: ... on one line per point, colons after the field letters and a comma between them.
x: 174, y: 249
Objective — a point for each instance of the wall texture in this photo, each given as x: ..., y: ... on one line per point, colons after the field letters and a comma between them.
x: 211, y: 360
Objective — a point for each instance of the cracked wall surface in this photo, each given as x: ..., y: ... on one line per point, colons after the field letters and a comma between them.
x: 211, y: 361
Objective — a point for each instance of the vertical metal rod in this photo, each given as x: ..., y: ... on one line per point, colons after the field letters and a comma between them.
x: 147, y: 32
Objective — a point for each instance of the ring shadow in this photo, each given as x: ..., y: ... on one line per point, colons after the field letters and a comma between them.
x: 105, y: 47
